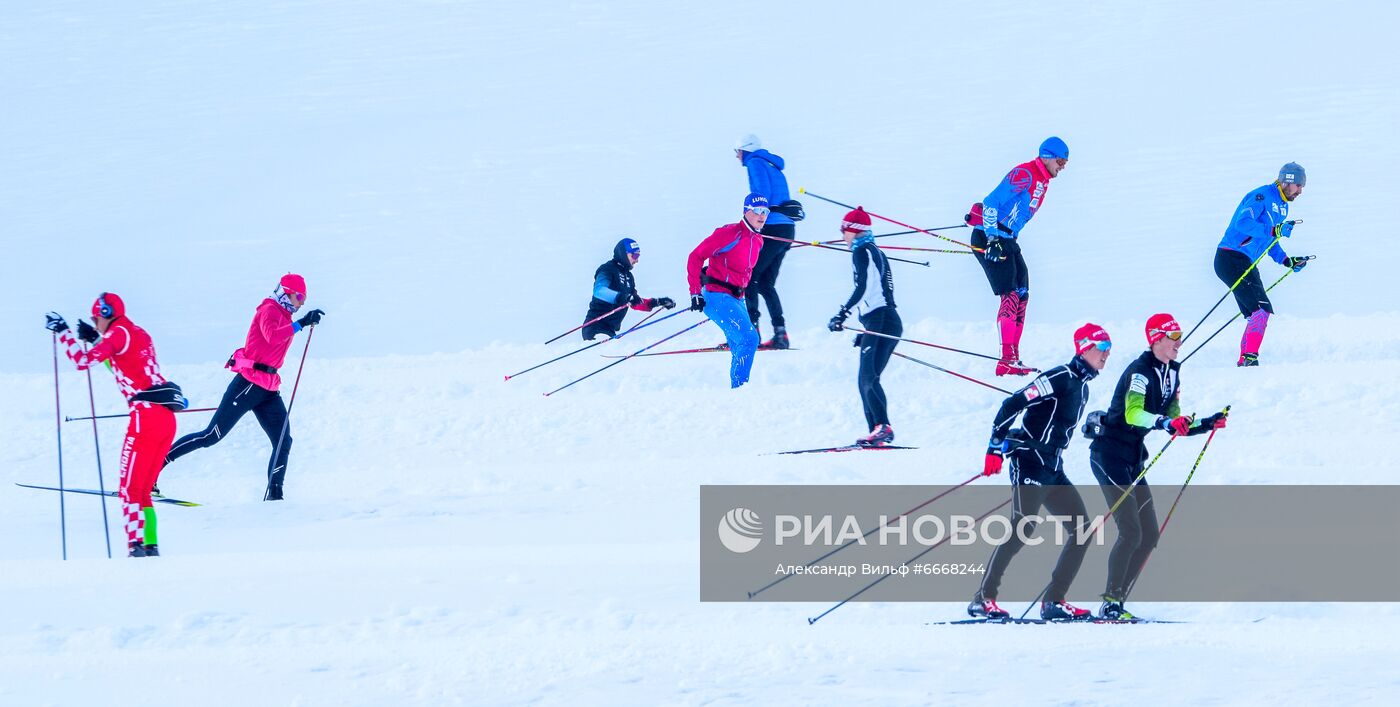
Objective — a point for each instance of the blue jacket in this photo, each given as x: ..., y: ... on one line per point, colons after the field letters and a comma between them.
x: 1015, y: 200
x: 766, y: 178
x: 1251, y: 229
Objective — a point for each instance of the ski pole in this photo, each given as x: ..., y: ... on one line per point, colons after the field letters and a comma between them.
x: 887, y: 235
x: 639, y: 325
x: 1243, y: 275
x: 125, y: 415
x: 1179, y: 494
x: 925, y: 250
x: 952, y: 373
x: 97, y: 452
x: 632, y: 355
x: 1099, y: 521
x: 801, y: 190
x: 58, y: 426
x: 287, y: 421
x: 925, y: 343
x: 844, y: 250
x: 868, y: 533
x: 887, y: 575
x: 591, y: 321
x: 1286, y: 273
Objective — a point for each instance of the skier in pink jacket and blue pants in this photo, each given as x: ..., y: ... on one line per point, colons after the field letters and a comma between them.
x: 256, y: 381
x: 717, y: 288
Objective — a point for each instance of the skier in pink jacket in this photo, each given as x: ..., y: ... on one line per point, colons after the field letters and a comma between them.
x: 256, y: 381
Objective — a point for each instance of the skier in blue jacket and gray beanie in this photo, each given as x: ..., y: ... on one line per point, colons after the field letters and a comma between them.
x: 765, y: 171
x: 1259, y: 225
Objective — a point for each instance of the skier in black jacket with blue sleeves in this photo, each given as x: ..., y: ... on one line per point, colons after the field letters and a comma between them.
x: 873, y: 300
x: 614, y: 286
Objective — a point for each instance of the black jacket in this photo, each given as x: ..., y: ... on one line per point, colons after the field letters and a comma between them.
x: 1157, y: 386
x: 614, y: 275
x: 1053, y: 404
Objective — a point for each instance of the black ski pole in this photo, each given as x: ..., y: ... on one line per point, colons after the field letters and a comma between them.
x: 952, y: 373
x: 844, y: 250
x: 1172, y: 510
x: 127, y: 415
x: 1093, y: 527
x: 888, y: 235
x: 97, y: 452
x: 591, y: 321
x: 58, y: 426
x: 632, y: 355
x: 287, y: 421
x: 1286, y: 273
x: 1243, y: 275
x: 639, y: 325
x: 930, y: 345
x: 801, y: 190
x: 887, y: 575
x: 867, y: 534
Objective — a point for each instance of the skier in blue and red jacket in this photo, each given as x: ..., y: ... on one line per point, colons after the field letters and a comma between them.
x: 998, y: 221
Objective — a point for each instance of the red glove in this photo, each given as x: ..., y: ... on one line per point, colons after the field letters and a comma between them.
x: 1177, y: 426
x: 992, y: 465
x: 1216, y: 421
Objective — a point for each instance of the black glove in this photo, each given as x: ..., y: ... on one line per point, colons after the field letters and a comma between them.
x: 665, y: 302
x: 628, y: 298
x: 311, y: 318
x: 993, y: 252
x: 697, y: 303
x: 838, y: 322
x: 53, y: 321
x: 86, y: 332
x: 1297, y: 263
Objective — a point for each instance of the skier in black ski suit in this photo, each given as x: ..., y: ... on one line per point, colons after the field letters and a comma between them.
x: 1053, y: 404
x: 1147, y: 398
x: 873, y: 300
x: 613, y: 286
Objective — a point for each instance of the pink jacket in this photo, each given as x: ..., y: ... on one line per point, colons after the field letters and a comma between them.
x: 732, y: 251
x: 269, y: 337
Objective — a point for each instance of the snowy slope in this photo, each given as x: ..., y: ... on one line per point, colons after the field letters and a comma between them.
x: 447, y: 175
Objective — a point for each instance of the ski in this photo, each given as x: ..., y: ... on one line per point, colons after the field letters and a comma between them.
x: 113, y: 494
x: 1051, y: 621
x: 707, y: 349
x: 845, y: 448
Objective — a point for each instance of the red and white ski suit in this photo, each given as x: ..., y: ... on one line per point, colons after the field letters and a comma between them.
x: 132, y: 357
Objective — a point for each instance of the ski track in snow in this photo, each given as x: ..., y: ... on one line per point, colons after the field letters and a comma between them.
x: 447, y: 175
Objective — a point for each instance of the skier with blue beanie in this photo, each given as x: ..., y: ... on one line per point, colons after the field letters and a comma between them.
x: 717, y: 272
x: 765, y: 172
x: 997, y: 222
x: 614, y: 287
x: 1259, y: 225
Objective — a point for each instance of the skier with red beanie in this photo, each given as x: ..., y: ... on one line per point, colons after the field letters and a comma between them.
x: 1147, y: 398
x: 873, y: 301
x: 1053, y: 404
x: 129, y: 353
x: 256, y: 381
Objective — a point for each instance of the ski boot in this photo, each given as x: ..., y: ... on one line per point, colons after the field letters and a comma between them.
x: 779, y: 340
x: 152, y: 550
x: 274, y: 493
x: 1013, y: 367
x: 1247, y: 360
x: 1063, y: 611
x: 1113, y: 610
x: 985, y: 608
x: 135, y: 550
x: 880, y: 436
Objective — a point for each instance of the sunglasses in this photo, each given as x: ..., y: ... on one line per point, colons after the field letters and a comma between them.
x: 760, y: 210
x: 1174, y: 334
x: 1100, y: 345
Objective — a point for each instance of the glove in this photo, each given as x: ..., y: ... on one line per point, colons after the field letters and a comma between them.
x: 1212, y: 422
x: 697, y: 303
x: 663, y: 302
x: 993, y: 252
x: 54, y: 323
x: 1174, y: 425
x: 633, y: 299
x: 1284, y: 229
x: 86, y: 332
x: 838, y: 322
x: 1296, y: 263
x: 992, y: 464
x: 312, y: 318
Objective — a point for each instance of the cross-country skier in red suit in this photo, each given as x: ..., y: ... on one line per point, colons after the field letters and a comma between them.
x: 256, y: 381
x: 128, y: 351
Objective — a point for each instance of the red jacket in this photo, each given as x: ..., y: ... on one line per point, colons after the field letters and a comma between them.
x: 269, y: 337
x: 732, y: 251
x: 130, y: 350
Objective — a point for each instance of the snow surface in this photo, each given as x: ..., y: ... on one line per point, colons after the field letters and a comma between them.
x: 447, y: 175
